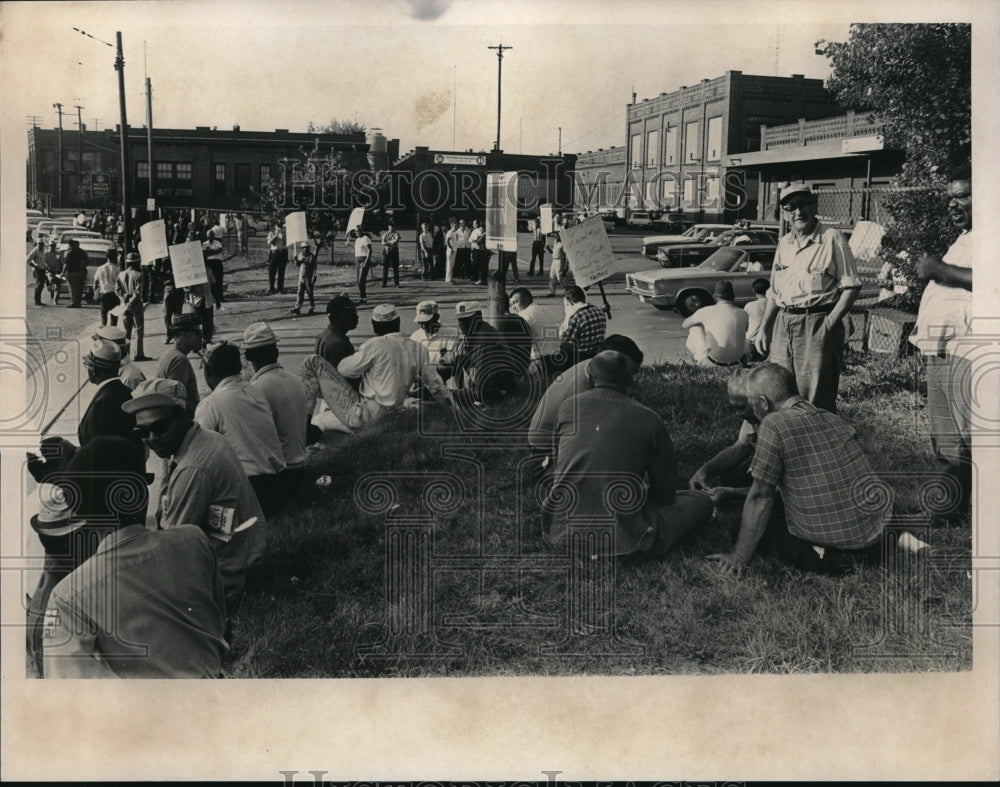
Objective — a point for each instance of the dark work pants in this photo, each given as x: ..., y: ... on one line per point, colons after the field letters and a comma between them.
x: 276, y: 264
x: 108, y: 301
x: 390, y: 257
x: 215, y: 266
x: 537, y: 253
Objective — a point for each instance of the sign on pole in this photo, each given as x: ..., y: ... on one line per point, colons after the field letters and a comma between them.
x: 151, y: 204
x: 188, y: 264
x: 588, y: 251
x: 223, y: 221
x: 153, y: 245
x: 356, y: 219
x: 295, y: 228
x: 501, y: 211
x: 545, y: 217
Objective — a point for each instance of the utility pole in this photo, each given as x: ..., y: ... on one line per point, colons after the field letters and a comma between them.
x: 559, y: 149
x: 500, y: 50
x: 79, y: 150
x: 59, y: 157
x: 126, y: 208
x: 454, y: 108
x: 149, y: 138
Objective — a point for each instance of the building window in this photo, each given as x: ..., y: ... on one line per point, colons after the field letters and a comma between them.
x: 689, y: 192
x: 636, y: 151
x: 220, y: 179
x: 265, y: 172
x: 652, y: 148
x: 692, y: 150
x: 670, y: 146
x: 91, y: 161
x: 164, y: 171
x: 241, y: 178
x: 142, y: 169
x: 183, y: 172
x: 669, y: 192
x: 714, y: 138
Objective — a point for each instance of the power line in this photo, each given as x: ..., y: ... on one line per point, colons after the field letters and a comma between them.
x: 596, y: 128
x: 84, y: 32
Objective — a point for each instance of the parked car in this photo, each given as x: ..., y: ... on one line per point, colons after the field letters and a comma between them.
x: 639, y: 218
x: 688, y: 289
x: 62, y: 239
x: 44, y: 229
x: 686, y: 255
x: 694, y: 234
x: 32, y: 222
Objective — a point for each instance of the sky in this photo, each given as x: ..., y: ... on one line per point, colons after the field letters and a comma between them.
x: 418, y: 69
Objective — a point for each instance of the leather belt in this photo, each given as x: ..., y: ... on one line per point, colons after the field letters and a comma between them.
x: 719, y: 363
x: 826, y: 309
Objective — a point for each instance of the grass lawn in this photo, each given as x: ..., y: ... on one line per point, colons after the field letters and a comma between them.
x: 424, y: 558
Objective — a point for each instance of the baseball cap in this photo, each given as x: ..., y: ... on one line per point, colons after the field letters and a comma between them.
x: 258, y: 335
x: 792, y: 189
x: 426, y: 311
x: 55, y: 516
x: 158, y: 392
x: 103, y: 355
x: 467, y: 308
x: 384, y: 312
x: 724, y: 289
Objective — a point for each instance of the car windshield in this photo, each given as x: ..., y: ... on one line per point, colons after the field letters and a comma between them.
x: 693, y: 232
x: 77, y: 234
x: 722, y: 260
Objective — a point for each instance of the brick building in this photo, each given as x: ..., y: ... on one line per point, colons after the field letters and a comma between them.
x: 679, y: 143
x: 203, y: 167
x: 600, y: 179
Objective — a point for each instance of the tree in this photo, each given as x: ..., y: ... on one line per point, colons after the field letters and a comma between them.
x: 917, y: 79
x: 337, y: 127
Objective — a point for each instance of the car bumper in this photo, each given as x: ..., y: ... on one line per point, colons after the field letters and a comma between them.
x: 647, y: 294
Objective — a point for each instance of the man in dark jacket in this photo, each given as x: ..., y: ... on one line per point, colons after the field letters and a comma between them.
x: 104, y: 416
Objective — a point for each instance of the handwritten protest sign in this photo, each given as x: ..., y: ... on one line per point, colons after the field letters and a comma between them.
x: 545, y: 216
x: 295, y: 228
x: 501, y: 211
x: 153, y: 245
x: 188, y: 264
x: 356, y: 220
x: 588, y: 251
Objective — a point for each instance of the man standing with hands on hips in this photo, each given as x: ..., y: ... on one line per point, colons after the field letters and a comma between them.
x: 813, y: 284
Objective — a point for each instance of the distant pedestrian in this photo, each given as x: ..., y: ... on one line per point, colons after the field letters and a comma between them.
x: 463, y: 250
x: 105, y: 280
x: 277, y: 260
x: 480, y: 256
x: 451, y: 240
x: 36, y: 261
x: 439, y: 250
x: 537, y: 248
x: 390, y: 255
x: 214, y: 252
x: 129, y: 287
x: 305, y: 260
x: 363, y: 261
x: 425, y: 245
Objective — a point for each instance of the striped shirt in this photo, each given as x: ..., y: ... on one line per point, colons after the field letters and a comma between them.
x: 832, y: 497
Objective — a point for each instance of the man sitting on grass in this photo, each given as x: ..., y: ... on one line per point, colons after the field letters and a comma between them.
x: 717, y: 333
x: 480, y: 363
x: 387, y: 365
x: 813, y: 459
x: 608, y: 445
x: 332, y: 344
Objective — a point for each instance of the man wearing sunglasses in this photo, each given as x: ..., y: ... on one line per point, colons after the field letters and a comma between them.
x: 204, y: 485
x: 813, y: 284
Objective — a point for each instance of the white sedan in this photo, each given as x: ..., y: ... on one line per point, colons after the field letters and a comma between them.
x: 698, y: 233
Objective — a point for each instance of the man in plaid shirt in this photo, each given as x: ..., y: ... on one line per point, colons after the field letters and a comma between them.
x: 584, y: 328
x: 813, y: 458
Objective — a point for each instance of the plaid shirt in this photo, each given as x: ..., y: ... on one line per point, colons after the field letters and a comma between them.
x: 585, y: 328
x: 832, y: 498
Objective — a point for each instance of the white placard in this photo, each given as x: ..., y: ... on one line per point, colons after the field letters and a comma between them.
x: 356, y: 220
x: 145, y: 259
x: 501, y: 211
x: 223, y: 222
x: 588, y: 251
x: 151, y: 204
x: 188, y: 264
x: 295, y: 228
x: 154, y: 240
x: 545, y: 216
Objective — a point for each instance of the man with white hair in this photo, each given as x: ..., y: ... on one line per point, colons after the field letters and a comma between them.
x: 387, y: 365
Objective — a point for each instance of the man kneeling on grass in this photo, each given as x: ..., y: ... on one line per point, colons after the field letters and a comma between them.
x: 387, y: 365
x: 608, y: 446
x: 811, y: 457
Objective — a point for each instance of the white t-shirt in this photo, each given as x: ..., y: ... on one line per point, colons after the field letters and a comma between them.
x: 725, y: 331
x: 755, y: 312
x: 362, y: 246
x: 945, y: 312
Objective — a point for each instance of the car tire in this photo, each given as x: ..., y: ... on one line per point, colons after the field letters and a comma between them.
x: 689, y: 302
x: 252, y: 232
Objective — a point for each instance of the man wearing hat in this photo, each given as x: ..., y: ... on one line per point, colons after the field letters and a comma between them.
x: 332, y: 344
x: 479, y: 362
x: 204, y: 485
x: 241, y: 414
x: 814, y: 281
x: 174, y: 363
x: 285, y: 394
x: 104, y: 286
x: 717, y: 333
x: 305, y: 260
x: 128, y: 373
x: 605, y: 440
x: 388, y: 365
x: 36, y: 261
x: 125, y: 601
x: 428, y: 332
x: 104, y: 415
x: 129, y: 286
x: 214, y: 251
x: 53, y: 270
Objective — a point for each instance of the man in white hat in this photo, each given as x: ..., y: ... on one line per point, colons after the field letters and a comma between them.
x: 388, y: 365
x: 129, y: 373
x: 429, y: 333
x: 285, y: 394
x: 104, y: 414
x: 205, y: 484
x: 814, y: 281
x: 130, y: 292
x: 480, y: 362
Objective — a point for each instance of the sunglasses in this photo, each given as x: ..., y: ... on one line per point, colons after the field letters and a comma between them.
x: 156, y: 428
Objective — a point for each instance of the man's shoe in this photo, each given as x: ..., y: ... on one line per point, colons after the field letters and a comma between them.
x: 296, y: 312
